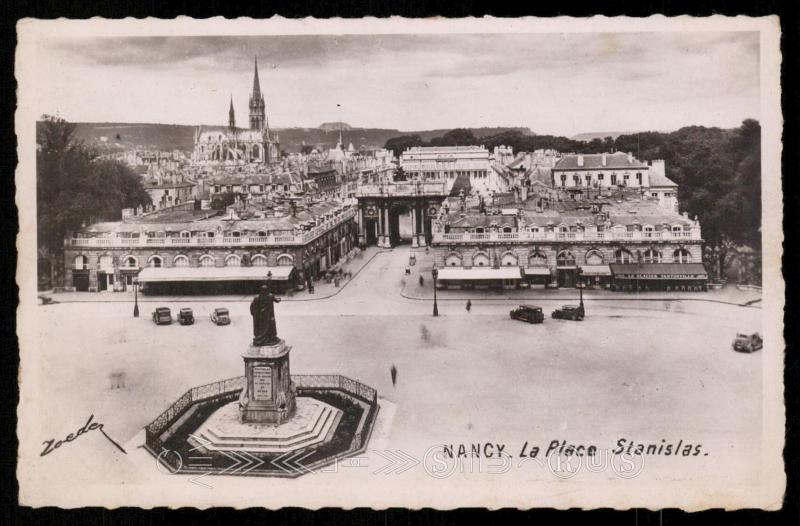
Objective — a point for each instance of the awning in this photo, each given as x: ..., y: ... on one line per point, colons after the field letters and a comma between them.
x: 479, y: 273
x: 164, y: 274
x: 537, y: 271
x: 596, y: 270
x: 659, y: 271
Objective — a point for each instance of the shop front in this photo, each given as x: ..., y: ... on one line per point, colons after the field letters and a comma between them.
x: 480, y: 278
x: 667, y: 277
x: 595, y: 276
x: 537, y: 277
x: 215, y: 280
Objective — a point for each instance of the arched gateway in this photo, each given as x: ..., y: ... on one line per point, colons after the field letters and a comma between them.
x: 394, y: 212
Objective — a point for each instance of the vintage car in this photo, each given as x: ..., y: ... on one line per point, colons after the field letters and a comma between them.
x: 747, y: 343
x: 185, y: 316
x: 221, y: 316
x: 162, y: 316
x: 569, y: 312
x: 529, y: 313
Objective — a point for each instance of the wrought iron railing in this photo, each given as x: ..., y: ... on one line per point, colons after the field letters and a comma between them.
x: 230, y: 387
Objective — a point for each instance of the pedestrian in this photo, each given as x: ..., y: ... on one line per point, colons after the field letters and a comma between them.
x: 421, y: 281
x: 393, y: 372
x: 469, y: 305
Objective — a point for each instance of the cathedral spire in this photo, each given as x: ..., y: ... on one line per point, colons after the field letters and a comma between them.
x: 256, y: 84
x: 257, y: 106
x: 231, y: 115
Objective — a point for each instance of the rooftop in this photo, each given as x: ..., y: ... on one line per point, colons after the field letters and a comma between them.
x: 594, y: 161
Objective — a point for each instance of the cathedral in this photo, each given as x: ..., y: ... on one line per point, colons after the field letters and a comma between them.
x: 234, y: 145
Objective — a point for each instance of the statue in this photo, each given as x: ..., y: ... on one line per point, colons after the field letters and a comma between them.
x: 262, y: 309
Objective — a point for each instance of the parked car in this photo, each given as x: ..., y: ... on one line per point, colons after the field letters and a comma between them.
x: 162, y: 316
x: 186, y: 317
x: 569, y: 312
x: 221, y: 316
x: 747, y: 343
x: 529, y: 313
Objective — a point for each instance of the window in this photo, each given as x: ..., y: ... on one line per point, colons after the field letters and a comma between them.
x: 233, y: 261
x: 537, y: 259
x: 594, y: 257
x: 285, y: 260
x: 129, y: 262
x: 652, y: 256
x: 480, y: 260
x: 155, y: 261
x: 599, y: 177
x: 613, y: 178
x: 81, y: 262
x: 180, y: 261
x: 479, y: 230
x: 565, y: 259
x: 622, y: 256
x: 452, y: 260
x: 508, y: 260
x: 507, y: 229
x: 186, y: 233
x: 639, y: 179
x: 681, y: 256
x: 648, y: 231
x: 261, y: 233
x: 588, y: 180
x: 207, y: 261
x: 259, y: 260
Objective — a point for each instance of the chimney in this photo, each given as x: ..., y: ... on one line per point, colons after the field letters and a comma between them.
x: 604, y: 159
x: 580, y: 159
x: 630, y: 158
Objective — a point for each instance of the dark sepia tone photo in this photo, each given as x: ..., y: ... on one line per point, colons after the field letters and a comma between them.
x: 380, y: 264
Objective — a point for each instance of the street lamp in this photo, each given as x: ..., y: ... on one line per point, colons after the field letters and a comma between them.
x: 579, y: 272
x: 135, y: 297
x: 435, y: 273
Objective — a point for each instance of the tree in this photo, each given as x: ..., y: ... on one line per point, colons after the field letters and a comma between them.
x: 74, y: 188
x: 399, y: 144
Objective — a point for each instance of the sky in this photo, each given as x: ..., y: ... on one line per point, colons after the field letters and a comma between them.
x: 561, y: 84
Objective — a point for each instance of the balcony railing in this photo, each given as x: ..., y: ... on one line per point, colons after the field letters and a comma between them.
x: 402, y: 189
x: 466, y: 237
x: 300, y: 238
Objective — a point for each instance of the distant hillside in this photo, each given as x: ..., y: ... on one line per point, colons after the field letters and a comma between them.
x: 334, y: 126
x: 112, y: 136
x: 598, y: 135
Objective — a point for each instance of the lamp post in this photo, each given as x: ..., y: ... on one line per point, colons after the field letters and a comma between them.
x: 579, y: 272
x: 135, y: 297
x: 435, y: 273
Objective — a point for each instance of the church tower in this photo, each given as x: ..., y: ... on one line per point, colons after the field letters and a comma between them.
x: 257, y: 111
x: 231, y: 117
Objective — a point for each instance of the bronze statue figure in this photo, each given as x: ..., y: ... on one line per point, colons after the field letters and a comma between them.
x: 262, y: 309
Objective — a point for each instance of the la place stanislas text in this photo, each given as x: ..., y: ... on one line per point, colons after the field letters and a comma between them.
x: 623, y: 446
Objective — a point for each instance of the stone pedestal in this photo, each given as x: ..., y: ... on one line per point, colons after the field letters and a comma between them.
x: 268, y: 396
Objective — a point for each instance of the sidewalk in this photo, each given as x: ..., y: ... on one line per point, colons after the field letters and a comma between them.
x: 411, y: 290
x: 322, y: 289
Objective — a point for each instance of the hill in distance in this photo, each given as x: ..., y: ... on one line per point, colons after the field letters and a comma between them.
x: 112, y: 136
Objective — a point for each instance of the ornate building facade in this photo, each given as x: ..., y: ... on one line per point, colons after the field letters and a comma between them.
x: 233, y: 145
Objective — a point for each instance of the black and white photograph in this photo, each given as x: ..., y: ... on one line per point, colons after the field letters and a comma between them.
x: 417, y: 263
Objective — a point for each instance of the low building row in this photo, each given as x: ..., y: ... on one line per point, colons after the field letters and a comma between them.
x: 626, y: 244
x: 178, y: 251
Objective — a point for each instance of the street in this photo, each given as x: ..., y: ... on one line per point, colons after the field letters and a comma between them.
x: 642, y: 370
